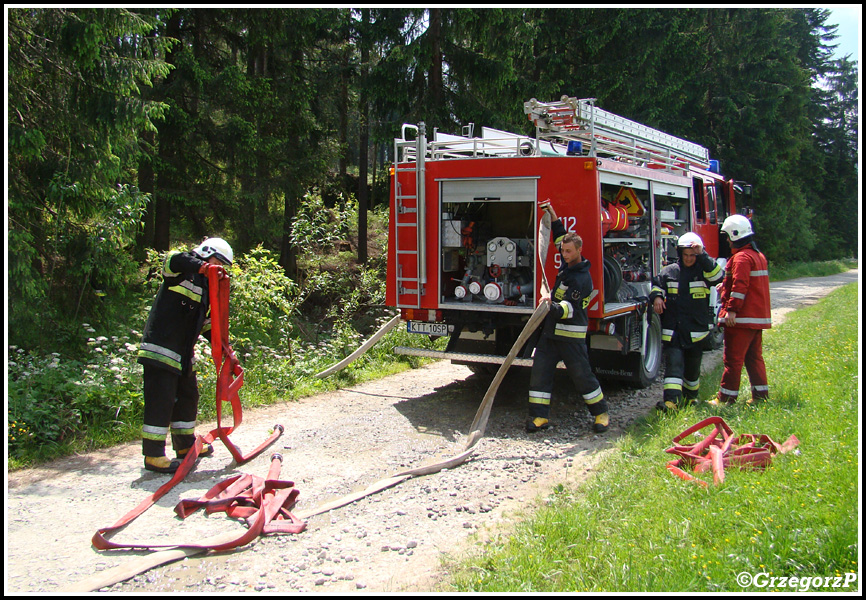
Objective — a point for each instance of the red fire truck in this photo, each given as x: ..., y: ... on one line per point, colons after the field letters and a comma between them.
x: 462, y: 255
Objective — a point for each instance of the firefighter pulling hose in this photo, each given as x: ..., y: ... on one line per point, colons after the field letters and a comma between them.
x: 265, y: 502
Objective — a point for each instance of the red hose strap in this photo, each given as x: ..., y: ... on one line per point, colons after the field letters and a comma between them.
x: 720, y: 449
x: 230, y: 375
x: 265, y: 503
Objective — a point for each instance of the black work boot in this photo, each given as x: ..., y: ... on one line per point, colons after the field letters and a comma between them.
x: 602, y: 422
x: 161, y: 464
x: 537, y: 424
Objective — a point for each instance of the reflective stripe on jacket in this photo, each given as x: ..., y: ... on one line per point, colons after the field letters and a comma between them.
x: 686, y: 292
x: 178, y: 315
x: 746, y: 291
x: 569, y: 297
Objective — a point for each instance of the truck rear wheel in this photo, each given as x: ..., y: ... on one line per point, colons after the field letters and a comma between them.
x: 644, y: 369
x: 716, y: 338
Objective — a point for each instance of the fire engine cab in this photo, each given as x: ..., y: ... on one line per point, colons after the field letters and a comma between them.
x: 462, y: 255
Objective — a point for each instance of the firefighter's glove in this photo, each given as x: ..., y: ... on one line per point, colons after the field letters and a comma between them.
x: 220, y: 270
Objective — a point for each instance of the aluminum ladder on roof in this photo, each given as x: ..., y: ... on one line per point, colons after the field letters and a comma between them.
x: 573, y: 119
x: 410, y: 204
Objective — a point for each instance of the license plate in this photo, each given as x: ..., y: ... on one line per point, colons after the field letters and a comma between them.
x: 429, y: 328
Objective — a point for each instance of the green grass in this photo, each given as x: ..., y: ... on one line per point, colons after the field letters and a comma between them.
x: 635, y: 527
x: 810, y: 269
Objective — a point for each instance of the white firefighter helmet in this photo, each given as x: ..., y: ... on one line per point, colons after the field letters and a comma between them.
x: 690, y: 240
x: 737, y: 227
x: 216, y: 247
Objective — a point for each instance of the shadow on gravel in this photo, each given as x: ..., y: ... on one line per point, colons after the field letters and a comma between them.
x: 450, y: 409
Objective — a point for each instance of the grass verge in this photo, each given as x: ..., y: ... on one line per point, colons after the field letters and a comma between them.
x: 811, y: 269
x: 635, y: 527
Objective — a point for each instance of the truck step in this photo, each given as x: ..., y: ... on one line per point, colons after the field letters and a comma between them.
x: 466, y: 357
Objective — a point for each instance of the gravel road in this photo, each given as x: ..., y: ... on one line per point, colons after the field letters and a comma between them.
x: 334, y: 444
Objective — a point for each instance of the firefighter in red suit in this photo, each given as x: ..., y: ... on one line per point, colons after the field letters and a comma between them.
x: 180, y: 313
x: 745, y: 312
x: 564, y: 335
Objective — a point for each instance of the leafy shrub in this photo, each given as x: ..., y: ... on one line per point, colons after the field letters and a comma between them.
x: 314, y: 226
x: 263, y: 301
x: 53, y: 400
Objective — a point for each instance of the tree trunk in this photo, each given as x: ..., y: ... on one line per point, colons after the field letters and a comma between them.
x: 344, y: 123
x: 167, y: 154
x: 363, y: 142
x: 146, y: 179
x: 375, y: 173
x: 288, y: 254
x: 436, y: 87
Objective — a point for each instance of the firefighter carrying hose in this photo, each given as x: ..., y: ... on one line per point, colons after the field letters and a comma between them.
x: 745, y: 309
x: 180, y: 313
x: 681, y: 296
x: 563, y: 335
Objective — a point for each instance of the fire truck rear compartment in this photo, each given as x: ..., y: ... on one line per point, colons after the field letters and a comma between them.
x: 487, y: 232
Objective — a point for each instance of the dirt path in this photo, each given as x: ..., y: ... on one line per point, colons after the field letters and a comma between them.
x: 334, y: 444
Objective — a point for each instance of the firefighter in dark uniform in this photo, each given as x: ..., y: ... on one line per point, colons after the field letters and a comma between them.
x: 563, y: 335
x: 681, y: 295
x: 180, y: 313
